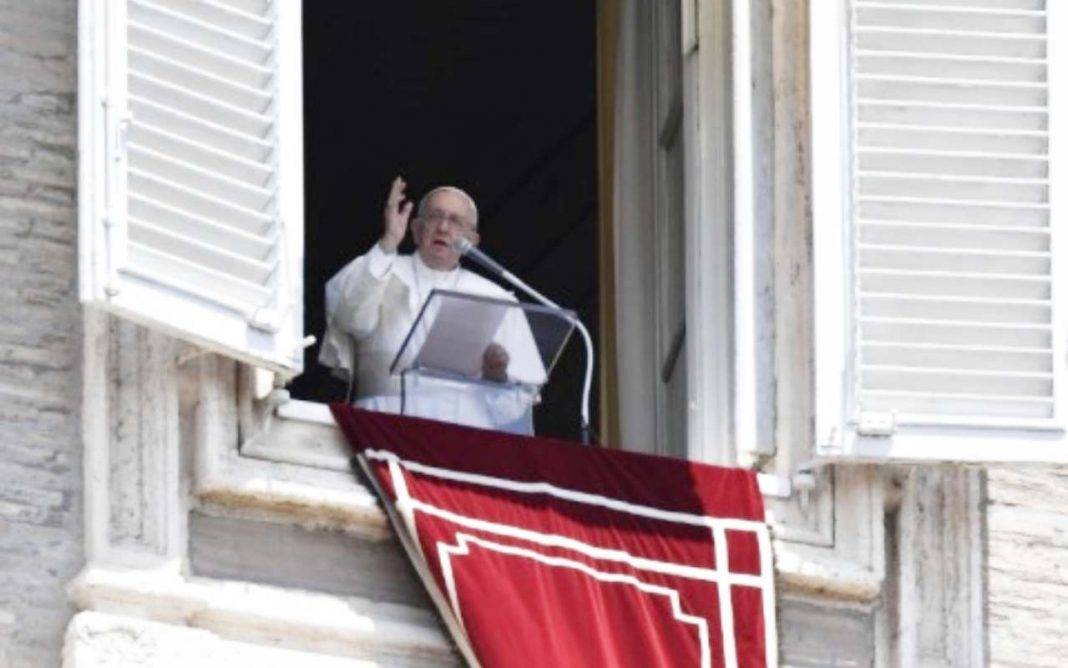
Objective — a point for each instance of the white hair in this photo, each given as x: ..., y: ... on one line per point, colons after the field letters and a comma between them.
x: 452, y: 189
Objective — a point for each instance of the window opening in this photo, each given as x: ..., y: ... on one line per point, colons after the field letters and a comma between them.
x: 497, y: 98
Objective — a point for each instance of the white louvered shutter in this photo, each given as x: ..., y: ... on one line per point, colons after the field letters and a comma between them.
x: 935, y: 135
x: 192, y: 202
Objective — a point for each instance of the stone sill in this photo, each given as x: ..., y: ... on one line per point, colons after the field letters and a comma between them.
x: 96, y: 639
x: 264, y: 615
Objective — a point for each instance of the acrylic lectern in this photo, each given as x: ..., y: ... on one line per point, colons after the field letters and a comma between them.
x: 440, y: 362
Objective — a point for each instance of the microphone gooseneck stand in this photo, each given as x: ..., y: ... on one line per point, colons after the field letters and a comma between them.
x: 467, y: 249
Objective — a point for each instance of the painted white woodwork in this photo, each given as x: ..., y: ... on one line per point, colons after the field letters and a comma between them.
x: 935, y: 146
x: 706, y: 91
x: 191, y: 205
x: 752, y: 231
x: 661, y: 144
x: 634, y: 207
x: 744, y: 272
x: 827, y: 81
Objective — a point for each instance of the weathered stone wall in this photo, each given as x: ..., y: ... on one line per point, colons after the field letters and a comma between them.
x: 1027, y: 566
x: 40, y: 470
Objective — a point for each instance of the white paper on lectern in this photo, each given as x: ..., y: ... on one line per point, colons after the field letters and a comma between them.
x: 459, y: 335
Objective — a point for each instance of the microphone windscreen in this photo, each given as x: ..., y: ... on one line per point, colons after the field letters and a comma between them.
x: 461, y: 245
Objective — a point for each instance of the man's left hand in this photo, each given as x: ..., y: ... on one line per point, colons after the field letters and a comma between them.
x: 495, y: 363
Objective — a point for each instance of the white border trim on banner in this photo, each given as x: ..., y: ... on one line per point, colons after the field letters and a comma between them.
x: 461, y: 549
x: 713, y: 575
x: 541, y: 487
x: 719, y: 526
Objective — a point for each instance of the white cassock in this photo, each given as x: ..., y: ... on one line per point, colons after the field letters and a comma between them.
x: 372, y: 303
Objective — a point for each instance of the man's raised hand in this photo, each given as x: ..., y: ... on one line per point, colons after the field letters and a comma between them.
x: 395, y: 217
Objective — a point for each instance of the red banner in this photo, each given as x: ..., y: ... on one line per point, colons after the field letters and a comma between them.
x: 542, y: 552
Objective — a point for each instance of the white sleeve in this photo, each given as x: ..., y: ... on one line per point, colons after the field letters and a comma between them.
x: 354, y: 294
x: 379, y: 262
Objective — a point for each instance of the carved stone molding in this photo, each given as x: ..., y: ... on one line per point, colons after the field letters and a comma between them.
x: 265, y: 467
x: 107, y: 639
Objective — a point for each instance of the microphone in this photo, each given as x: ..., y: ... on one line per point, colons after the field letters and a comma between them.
x: 464, y: 247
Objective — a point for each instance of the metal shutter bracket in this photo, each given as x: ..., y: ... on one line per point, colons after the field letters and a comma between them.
x: 877, y: 424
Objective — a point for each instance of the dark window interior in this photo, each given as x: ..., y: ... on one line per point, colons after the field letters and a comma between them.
x: 494, y: 96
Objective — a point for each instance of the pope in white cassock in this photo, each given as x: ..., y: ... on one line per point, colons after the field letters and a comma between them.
x: 372, y: 303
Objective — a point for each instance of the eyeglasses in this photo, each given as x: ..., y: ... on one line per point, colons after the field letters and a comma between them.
x: 455, y: 222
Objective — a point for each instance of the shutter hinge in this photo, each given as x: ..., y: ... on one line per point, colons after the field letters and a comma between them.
x: 111, y: 286
x: 876, y: 424
x: 265, y: 320
x: 122, y: 136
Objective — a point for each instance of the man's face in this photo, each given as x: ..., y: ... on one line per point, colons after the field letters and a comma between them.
x: 447, y: 216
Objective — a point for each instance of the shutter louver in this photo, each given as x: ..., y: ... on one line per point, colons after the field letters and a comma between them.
x: 207, y: 62
x: 952, y: 277
x: 208, y: 210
